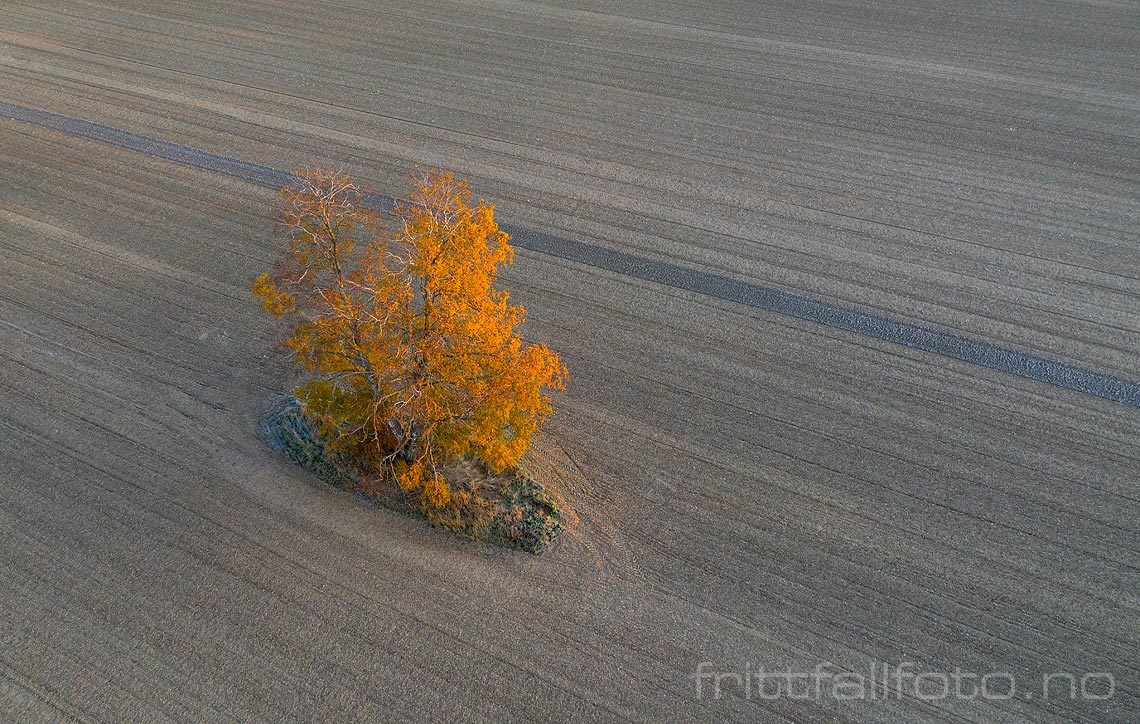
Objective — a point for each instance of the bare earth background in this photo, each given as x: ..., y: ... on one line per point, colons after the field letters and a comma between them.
x: 753, y: 490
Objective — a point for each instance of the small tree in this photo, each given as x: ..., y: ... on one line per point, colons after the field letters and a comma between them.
x: 416, y: 357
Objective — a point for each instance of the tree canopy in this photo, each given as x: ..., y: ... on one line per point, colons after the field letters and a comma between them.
x: 415, y: 355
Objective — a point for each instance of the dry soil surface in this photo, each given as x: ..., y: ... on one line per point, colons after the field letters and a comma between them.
x: 754, y: 491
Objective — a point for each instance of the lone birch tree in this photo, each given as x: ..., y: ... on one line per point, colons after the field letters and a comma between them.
x: 415, y: 357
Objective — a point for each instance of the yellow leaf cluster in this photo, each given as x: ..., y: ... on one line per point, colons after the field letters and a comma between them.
x: 416, y: 354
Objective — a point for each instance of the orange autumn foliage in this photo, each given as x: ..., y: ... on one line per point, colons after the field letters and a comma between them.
x: 416, y: 356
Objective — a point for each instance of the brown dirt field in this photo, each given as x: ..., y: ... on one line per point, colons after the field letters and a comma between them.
x: 751, y: 489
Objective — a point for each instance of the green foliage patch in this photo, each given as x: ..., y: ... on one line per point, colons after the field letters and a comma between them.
x: 508, y: 509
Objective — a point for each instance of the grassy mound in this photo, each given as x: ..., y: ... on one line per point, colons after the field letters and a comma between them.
x: 510, y: 509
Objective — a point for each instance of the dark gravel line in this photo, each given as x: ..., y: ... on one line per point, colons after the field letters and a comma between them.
x: 714, y: 285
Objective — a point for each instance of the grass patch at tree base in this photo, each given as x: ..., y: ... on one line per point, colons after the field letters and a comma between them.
x: 509, y: 509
